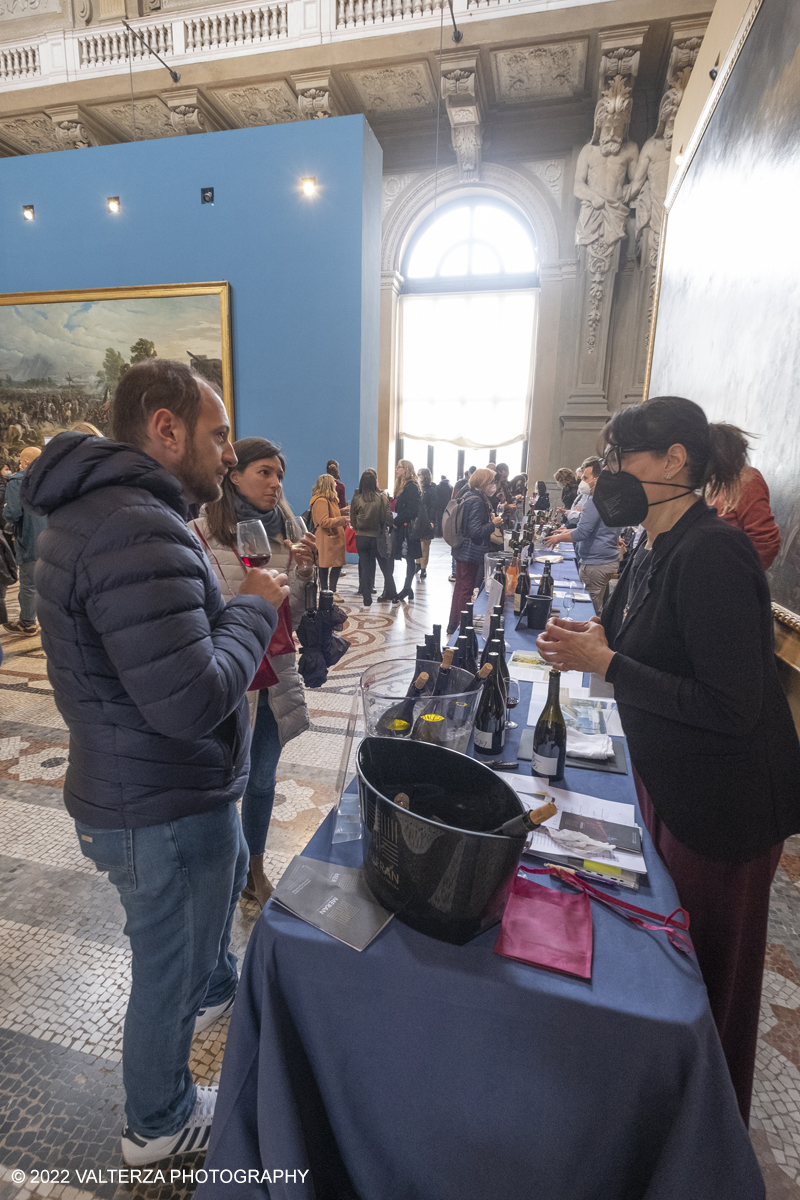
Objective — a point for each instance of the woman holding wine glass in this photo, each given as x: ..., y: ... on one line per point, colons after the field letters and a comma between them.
x: 252, y: 506
x: 686, y: 639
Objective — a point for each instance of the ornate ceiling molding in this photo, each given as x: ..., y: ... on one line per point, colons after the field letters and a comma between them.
x: 415, y: 201
x: 393, y: 90
x: 553, y: 70
x: 258, y: 103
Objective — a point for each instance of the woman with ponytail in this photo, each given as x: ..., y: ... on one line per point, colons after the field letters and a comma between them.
x: 686, y: 640
x: 744, y: 503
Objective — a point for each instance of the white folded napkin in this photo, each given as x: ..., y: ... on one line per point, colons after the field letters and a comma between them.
x: 589, y: 745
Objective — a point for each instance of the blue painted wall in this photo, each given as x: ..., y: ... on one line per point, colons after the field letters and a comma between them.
x: 305, y: 274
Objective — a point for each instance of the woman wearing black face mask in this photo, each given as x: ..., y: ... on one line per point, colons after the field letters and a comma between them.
x: 686, y: 639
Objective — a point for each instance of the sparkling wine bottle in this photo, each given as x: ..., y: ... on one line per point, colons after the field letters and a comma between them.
x: 550, y: 735
x: 397, y: 720
x: 490, y: 720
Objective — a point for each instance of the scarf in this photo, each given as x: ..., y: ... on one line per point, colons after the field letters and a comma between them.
x: 271, y: 518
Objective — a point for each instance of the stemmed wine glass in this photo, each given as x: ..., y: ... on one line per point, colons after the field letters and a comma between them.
x: 567, y: 604
x: 512, y: 700
x: 253, y: 544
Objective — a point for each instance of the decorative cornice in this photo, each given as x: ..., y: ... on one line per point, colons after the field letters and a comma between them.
x: 190, y: 112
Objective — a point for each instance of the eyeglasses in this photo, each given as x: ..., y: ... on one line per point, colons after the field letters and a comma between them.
x: 614, y: 455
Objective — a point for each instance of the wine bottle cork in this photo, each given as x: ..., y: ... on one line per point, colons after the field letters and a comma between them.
x: 402, y: 799
x: 485, y: 670
x: 537, y: 816
x: 422, y: 679
x: 447, y: 658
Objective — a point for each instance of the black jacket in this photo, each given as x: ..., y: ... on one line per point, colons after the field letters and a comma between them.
x: 708, y: 725
x: 149, y: 666
x: 444, y: 492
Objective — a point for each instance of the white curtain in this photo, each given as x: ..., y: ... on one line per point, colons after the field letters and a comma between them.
x: 466, y: 367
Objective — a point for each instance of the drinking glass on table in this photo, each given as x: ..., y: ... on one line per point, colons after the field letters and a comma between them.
x: 253, y: 544
x: 512, y: 700
x: 567, y: 604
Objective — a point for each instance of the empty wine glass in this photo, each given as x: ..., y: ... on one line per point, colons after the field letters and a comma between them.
x: 253, y: 544
x: 512, y: 700
x: 567, y: 604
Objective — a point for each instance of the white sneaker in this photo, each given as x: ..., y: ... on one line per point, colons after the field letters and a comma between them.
x: 137, y: 1151
x: 207, y: 1016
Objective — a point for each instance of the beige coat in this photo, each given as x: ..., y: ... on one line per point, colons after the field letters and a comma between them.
x: 328, y: 531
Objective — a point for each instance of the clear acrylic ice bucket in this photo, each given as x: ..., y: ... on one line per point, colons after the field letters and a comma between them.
x: 387, y: 682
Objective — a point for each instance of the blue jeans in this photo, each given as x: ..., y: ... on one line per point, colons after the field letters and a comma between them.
x: 259, y: 796
x: 178, y: 883
x: 27, y: 593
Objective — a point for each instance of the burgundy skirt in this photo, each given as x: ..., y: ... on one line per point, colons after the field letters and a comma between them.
x: 728, y: 906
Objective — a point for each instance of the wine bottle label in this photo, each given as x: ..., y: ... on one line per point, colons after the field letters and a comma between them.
x: 544, y: 766
x: 517, y: 602
x: 485, y: 740
x: 432, y: 717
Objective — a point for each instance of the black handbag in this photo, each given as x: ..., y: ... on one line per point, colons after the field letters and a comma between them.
x: 384, y: 541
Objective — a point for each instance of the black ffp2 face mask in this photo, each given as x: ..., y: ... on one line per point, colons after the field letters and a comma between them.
x: 621, y: 500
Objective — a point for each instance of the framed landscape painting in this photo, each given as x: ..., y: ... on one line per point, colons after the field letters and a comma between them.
x: 62, y: 353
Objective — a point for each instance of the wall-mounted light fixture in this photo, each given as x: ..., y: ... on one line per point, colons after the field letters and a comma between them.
x: 206, y: 195
x: 678, y: 159
x: 27, y: 212
x: 113, y: 204
x: 308, y: 186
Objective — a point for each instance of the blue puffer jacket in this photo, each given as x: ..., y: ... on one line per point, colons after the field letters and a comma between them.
x: 148, y: 665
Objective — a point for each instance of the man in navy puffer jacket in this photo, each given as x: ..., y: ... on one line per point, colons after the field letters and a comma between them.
x: 149, y: 669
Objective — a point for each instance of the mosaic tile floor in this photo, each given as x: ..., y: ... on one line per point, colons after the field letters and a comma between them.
x: 65, y: 963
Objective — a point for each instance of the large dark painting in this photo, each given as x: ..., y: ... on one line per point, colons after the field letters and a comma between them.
x: 728, y: 328
x: 62, y: 354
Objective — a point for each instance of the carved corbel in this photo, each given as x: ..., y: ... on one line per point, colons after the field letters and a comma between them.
x: 77, y: 128
x: 619, y: 55
x: 687, y: 38
x: 317, y: 95
x: 191, y: 112
x: 463, y: 98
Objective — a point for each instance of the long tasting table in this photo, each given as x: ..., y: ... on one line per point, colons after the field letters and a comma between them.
x: 418, y: 1070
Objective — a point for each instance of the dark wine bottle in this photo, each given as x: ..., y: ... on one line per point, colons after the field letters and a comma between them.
x: 523, y: 589
x: 474, y: 645
x: 494, y: 621
x: 397, y: 720
x: 437, y: 643
x: 462, y: 651
x: 468, y: 660
x: 498, y: 647
x: 490, y: 720
x: 546, y: 582
x: 478, y: 680
x: 430, y: 725
x: 430, y: 651
x: 550, y: 735
x: 463, y: 623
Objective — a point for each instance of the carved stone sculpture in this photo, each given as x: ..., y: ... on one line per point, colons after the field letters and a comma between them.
x: 463, y: 101
x: 314, y: 103
x: 317, y: 95
x: 602, y: 183
x: 73, y: 135
x: 649, y: 186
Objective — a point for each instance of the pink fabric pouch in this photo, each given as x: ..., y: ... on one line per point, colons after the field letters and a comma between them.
x: 547, y: 928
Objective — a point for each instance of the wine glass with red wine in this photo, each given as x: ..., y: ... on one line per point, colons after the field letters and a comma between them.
x: 253, y: 544
x: 512, y: 700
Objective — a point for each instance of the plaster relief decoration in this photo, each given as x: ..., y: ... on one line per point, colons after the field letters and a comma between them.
x: 539, y: 72
x: 317, y: 96
x: 11, y: 10
x: 551, y: 173
x: 77, y: 128
x: 393, y: 185
x: 190, y: 112
x: 260, y: 103
x: 30, y: 135
x: 460, y: 92
x: 82, y: 12
x: 649, y: 187
x: 152, y: 119
x: 619, y: 55
x: 390, y: 90
x: 603, y: 178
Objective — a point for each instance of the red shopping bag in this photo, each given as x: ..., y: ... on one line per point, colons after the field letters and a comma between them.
x: 547, y: 928
x: 350, y: 540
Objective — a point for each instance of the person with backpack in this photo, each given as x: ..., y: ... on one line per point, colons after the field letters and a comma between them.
x: 369, y: 515
x: 468, y: 524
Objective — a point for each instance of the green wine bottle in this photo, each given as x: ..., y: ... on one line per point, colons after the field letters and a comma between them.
x: 523, y: 590
x: 430, y: 725
x: 546, y: 582
x: 550, y: 735
x: 397, y: 721
x: 489, y: 734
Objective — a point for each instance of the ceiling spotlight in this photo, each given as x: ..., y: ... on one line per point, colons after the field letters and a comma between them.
x: 308, y: 186
x: 206, y: 195
x: 27, y: 212
x: 113, y: 204
x: 678, y: 159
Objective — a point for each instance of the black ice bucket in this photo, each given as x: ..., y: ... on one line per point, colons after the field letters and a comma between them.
x: 434, y: 863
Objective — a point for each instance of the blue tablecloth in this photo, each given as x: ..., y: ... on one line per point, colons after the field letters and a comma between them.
x: 417, y: 1070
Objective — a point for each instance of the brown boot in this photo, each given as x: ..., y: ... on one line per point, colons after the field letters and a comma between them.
x: 258, y: 887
